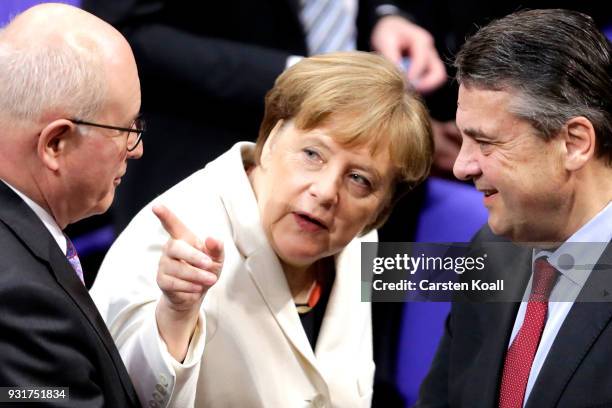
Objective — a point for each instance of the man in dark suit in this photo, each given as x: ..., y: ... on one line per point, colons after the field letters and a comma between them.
x: 535, y: 114
x: 68, y: 112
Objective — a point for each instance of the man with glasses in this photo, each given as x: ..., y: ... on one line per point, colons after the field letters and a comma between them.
x: 70, y: 97
x: 134, y: 132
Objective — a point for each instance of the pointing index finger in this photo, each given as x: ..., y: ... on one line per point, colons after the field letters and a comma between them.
x: 175, y: 227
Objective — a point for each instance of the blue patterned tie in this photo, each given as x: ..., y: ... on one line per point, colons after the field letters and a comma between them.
x: 73, y: 258
x: 328, y: 25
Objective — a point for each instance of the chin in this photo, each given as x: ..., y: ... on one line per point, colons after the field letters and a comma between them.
x: 498, y: 228
x: 300, y: 257
x: 104, y: 204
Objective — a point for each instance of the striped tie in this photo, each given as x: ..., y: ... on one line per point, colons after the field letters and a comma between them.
x: 329, y: 26
x: 73, y: 258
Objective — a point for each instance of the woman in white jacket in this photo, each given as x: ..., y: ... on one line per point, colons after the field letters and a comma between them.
x: 283, y: 325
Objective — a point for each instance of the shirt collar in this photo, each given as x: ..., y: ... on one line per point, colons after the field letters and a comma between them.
x: 576, y: 257
x: 45, y: 217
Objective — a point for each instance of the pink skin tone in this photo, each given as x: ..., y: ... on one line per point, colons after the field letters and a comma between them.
x: 316, y: 195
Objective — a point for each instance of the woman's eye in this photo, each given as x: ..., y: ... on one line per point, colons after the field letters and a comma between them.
x: 361, y: 180
x: 311, y: 154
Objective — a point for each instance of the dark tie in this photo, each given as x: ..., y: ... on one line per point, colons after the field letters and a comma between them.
x: 73, y: 258
x: 519, y: 357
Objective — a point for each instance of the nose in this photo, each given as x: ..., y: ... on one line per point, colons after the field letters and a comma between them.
x: 466, y: 165
x: 325, y: 188
x: 137, y: 152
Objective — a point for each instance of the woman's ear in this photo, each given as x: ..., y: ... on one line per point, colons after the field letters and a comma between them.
x: 268, y: 146
x: 53, y: 142
x: 580, y: 141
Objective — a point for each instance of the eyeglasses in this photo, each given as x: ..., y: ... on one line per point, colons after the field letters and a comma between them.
x: 134, y: 132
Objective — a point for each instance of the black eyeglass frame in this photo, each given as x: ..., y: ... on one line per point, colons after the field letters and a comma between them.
x: 138, y: 130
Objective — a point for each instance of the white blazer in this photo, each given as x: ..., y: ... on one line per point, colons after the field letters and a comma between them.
x: 256, y: 353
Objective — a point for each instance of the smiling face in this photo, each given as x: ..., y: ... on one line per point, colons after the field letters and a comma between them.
x: 522, y: 177
x: 315, y: 195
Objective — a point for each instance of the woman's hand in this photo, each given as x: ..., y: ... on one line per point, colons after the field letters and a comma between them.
x: 188, y: 267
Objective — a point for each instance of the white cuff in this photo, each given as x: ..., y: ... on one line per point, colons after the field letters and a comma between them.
x: 159, y: 379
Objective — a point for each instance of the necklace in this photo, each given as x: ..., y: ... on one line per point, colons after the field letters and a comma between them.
x: 314, y: 294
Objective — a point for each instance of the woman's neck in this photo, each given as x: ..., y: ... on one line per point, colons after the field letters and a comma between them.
x: 300, y: 279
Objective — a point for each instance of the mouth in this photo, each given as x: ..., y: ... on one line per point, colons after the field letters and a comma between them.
x: 309, y: 222
x: 488, y: 193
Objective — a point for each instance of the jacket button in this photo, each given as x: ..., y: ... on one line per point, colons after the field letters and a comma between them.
x: 318, y: 401
x: 163, y: 380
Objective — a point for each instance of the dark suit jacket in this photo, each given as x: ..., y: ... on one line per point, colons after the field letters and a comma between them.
x: 50, y: 331
x: 466, y: 371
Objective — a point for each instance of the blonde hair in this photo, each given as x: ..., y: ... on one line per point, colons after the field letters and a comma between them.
x: 366, y: 101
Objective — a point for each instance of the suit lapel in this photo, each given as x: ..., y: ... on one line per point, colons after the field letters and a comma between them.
x: 261, y: 261
x: 344, y: 305
x: 68, y: 280
x: 24, y: 223
x: 513, y: 265
x: 346, y: 328
x: 581, y: 328
x: 266, y: 272
x: 499, y: 321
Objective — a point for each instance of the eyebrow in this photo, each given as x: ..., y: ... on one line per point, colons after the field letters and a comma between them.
x: 476, y: 133
x: 359, y: 166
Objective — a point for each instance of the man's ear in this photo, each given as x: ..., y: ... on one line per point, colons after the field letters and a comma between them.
x: 580, y: 141
x: 268, y: 146
x: 53, y: 142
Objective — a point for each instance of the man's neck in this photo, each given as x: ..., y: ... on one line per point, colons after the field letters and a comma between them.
x: 593, y: 194
x: 33, y: 189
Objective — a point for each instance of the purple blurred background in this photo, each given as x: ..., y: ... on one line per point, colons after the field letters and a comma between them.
x: 10, y: 8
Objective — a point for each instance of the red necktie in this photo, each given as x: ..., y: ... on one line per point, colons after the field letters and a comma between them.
x: 519, y: 357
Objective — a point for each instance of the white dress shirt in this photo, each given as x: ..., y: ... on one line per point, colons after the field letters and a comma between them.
x: 45, y: 217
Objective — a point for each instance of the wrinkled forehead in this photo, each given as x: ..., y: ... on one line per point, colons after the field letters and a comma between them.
x: 349, y: 131
x: 485, y: 109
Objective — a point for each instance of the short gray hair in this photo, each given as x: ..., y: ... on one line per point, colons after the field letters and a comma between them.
x: 558, y: 63
x: 41, y: 79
